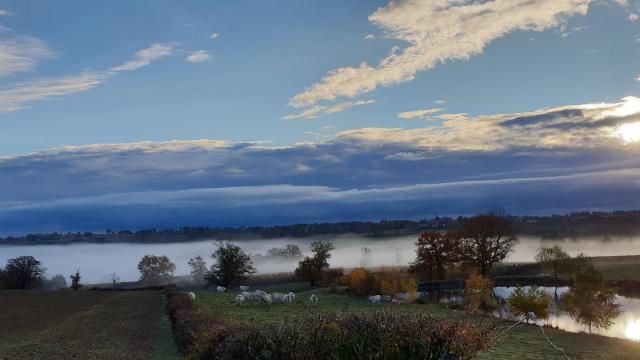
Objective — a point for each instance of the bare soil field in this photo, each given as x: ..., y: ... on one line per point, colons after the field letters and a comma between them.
x: 84, y: 325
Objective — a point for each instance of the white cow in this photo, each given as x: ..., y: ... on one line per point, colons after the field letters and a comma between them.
x: 385, y: 298
x: 375, y: 299
x: 239, y: 299
x: 266, y: 298
x: 401, y: 297
x: 244, y: 288
x: 259, y: 292
x: 220, y: 289
x: 313, y: 299
x: 290, y: 297
x: 278, y: 297
x: 248, y: 295
x: 191, y: 296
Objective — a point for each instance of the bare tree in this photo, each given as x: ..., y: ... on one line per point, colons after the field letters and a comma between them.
x: 75, y: 280
x: 198, y: 268
x: 114, y: 280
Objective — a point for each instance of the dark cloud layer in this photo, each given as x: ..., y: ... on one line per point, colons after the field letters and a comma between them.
x: 522, y: 162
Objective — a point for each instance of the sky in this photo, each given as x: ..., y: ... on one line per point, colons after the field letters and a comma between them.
x: 128, y: 115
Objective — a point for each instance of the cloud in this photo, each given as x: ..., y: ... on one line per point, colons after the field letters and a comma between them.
x: 4, y: 12
x: 418, y: 114
x: 437, y: 31
x: 633, y: 17
x: 21, y: 53
x: 214, y: 36
x: 198, y: 56
x: 440, y: 102
x: 573, y: 126
x: 144, y: 57
x: 319, y: 110
x: 17, y: 96
x: 553, y: 159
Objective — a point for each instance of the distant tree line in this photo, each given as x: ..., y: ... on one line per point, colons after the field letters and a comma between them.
x: 574, y: 225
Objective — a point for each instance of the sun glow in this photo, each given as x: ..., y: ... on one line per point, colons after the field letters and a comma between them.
x: 632, y: 331
x: 628, y: 132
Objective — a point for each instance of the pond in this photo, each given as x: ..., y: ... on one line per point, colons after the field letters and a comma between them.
x: 626, y: 325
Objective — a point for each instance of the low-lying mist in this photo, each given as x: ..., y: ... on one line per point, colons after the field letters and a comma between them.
x: 98, y: 261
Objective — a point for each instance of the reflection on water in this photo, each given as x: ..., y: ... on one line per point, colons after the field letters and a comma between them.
x: 626, y: 325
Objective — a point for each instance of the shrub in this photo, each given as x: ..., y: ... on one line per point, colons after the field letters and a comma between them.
x: 362, y: 282
x: 186, y: 323
x: 330, y: 336
x: 478, y: 291
x: 395, y: 281
x: 533, y: 300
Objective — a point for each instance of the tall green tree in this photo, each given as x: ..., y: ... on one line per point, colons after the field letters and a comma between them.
x: 230, y: 265
x: 533, y: 300
x: 591, y: 302
x: 25, y: 272
x: 155, y: 269
x: 312, y: 268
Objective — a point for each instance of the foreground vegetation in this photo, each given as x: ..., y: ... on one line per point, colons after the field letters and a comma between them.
x: 84, y: 325
x: 523, y: 342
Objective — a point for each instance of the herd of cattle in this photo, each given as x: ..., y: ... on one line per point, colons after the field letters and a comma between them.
x: 264, y: 297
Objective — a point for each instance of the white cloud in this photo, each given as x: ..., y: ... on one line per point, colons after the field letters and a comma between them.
x: 144, y: 57
x: 633, y: 17
x: 198, y: 56
x: 573, y: 126
x: 440, y: 102
x: 214, y: 36
x: 320, y: 110
x: 21, y: 53
x: 4, y: 12
x: 406, y: 156
x: 437, y: 31
x: 17, y: 96
x: 418, y: 114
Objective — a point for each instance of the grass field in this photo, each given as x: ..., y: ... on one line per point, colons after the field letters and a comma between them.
x: 522, y: 342
x: 84, y: 325
x: 618, y: 267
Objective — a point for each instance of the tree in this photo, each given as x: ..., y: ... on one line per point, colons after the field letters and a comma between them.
x: 312, y: 268
x: 367, y: 255
x: 198, y: 268
x: 578, y: 264
x: 533, y: 300
x: 25, y: 272
x: 75, y: 280
x: 58, y: 282
x: 478, y: 291
x: 114, y: 281
x: 554, y: 259
x: 290, y: 252
x: 434, y: 253
x: 486, y: 240
x: 590, y: 302
x: 231, y: 265
x: 155, y: 269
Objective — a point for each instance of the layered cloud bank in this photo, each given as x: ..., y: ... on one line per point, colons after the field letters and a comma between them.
x: 550, y: 160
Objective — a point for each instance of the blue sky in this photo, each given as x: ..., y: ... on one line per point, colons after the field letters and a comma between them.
x: 326, y: 97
